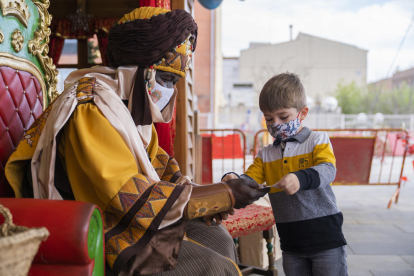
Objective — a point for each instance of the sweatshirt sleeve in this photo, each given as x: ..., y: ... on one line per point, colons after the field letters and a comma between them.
x: 256, y: 170
x: 323, y: 172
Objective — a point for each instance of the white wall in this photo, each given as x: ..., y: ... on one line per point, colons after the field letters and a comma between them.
x: 321, y: 64
x: 230, y: 74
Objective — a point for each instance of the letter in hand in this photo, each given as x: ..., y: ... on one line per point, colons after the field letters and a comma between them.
x: 228, y: 177
x: 246, y: 191
x: 289, y: 183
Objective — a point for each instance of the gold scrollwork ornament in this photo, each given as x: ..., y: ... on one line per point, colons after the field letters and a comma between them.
x: 17, y: 8
x: 38, y: 47
x: 17, y: 40
x: 1, y: 37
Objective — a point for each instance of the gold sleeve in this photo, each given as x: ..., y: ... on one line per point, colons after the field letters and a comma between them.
x: 97, y: 160
x: 256, y: 171
x: 209, y: 200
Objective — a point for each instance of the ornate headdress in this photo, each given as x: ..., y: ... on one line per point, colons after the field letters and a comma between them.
x: 155, y: 38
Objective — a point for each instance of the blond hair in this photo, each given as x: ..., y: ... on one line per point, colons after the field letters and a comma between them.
x: 282, y: 91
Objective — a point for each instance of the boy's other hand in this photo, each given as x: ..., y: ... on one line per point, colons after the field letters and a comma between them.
x: 246, y: 191
x: 228, y: 177
x: 289, y: 184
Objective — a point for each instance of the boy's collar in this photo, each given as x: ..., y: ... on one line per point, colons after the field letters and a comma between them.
x: 302, y: 136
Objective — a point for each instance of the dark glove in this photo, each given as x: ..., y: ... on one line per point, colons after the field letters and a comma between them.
x: 246, y: 191
x: 219, y: 217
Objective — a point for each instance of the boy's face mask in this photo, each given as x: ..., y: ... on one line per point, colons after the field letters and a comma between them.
x: 161, y: 95
x: 284, y: 131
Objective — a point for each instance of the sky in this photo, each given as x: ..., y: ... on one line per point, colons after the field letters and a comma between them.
x: 374, y: 25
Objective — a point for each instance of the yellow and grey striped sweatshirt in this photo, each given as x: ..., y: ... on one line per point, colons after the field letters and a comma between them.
x: 309, y: 220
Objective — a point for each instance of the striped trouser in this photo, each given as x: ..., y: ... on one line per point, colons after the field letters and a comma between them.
x: 210, y: 251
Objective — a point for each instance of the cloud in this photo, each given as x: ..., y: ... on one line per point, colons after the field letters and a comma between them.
x: 377, y: 26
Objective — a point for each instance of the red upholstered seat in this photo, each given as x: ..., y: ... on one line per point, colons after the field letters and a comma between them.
x: 21, y: 100
x: 249, y: 220
x: 75, y: 244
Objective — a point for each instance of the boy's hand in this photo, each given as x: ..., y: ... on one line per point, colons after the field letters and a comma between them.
x: 289, y: 183
x: 228, y: 177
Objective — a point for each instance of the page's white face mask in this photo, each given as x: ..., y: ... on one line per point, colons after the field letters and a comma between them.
x: 161, y: 95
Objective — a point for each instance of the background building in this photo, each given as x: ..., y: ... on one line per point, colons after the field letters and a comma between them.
x: 397, y: 80
x: 320, y: 63
x: 208, y: 66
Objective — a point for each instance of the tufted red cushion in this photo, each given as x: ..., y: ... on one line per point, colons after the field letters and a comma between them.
x: 249, y: 220
x: 21, y: 102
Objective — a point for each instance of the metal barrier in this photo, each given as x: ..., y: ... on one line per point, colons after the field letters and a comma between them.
x: 227, y: 146
x: 356, y: 150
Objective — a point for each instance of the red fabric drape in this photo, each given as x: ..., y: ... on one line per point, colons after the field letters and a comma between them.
x: 55, y: 48
x: 165, y: 4
x: 103, y: 43
x: 147, y: 3
x: 166, y: 132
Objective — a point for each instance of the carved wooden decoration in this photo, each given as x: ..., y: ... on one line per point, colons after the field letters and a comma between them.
x: 17, y: 40
x: 38, y: 47
x: 184, y: 140
x: 17, y: 8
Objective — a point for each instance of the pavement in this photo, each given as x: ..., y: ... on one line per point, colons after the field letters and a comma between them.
x: 380, y: 240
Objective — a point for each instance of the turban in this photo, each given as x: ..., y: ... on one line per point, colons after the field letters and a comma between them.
x: 153, y: 37
x: 156, y: 38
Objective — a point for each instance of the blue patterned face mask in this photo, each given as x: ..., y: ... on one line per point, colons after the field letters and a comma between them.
x: 284, y: 131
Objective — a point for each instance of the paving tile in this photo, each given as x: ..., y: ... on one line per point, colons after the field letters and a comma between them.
x: 279, y: 267
x: 393, y: 273
x: 385, y: 248
x: 409, y: 259
x: 377, y: 263
x: 406, y: 227
x: 366, y: 217
x: 359, y: 273
x: 374, y: 233
x: 349, y: 219
x: 349, y: 250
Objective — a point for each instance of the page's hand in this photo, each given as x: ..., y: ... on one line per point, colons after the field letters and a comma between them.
x: 246, y: 191
x: 219, y: 217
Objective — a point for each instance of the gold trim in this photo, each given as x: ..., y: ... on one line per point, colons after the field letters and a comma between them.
x: 38, y: 47
x: 1, y: 37
x: 17, y: 40
x: 22, y: 64
x: 17, y: 8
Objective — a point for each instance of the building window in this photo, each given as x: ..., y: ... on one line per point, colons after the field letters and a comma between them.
x: 69, y: 61
x: 69, y: 55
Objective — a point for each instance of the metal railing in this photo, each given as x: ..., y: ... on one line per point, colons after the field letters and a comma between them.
x: 381, y: 148
x: 224, y: 148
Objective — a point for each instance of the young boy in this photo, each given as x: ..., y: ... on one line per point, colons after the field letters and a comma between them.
x: 300, y: 166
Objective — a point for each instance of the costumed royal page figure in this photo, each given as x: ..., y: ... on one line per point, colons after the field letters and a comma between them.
x: 96, y: 143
